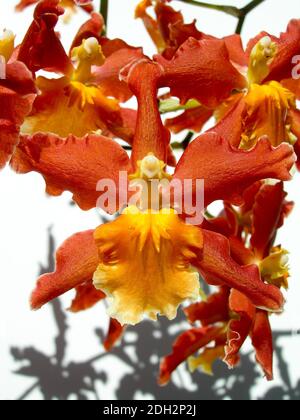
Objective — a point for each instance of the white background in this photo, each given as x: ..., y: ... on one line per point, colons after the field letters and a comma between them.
x: 25, y: 213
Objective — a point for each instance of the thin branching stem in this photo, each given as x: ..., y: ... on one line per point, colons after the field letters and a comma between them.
x: 239, y: 13
x: 104, y: 12
x: 230, y: 10
x: 244, y: 12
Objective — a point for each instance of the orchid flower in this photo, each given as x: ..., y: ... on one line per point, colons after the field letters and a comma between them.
x: 263, y: 98
x: 228, y: 317
x: 17, y: 93
x: 168, y: 31
x: 87, y: 97
x: 147, y: 262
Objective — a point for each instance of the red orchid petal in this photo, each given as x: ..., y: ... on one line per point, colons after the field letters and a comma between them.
x: 142, y: 78
x: 107, y: 75
x: 192, y: 119
x: 92, y: 28
x: 41, y: 48
x: 231, y: 124
x: 297, y: 151
x: 115, y: 332
x: 238, y: 330
x: 19, y: 78
x: 239, y: 252
x: 294, y: 116
x: 166, y: 16
x: 214, y: 310
x: 150, y: 24
x: 217, y: 266
x: 194, y: 72
x: 226, y: 171
x: 263, y: 343
x: 111, y: 46
x: 13, y: 109
x: 226, y: 224
x: 76, y: 262
x: 9, y: 137
x: 186, y: 345
x: 86, y: 297
x: 63, y: 168
x: 267, y: 213
x: 124, y: 126
x: 126, y: 132
x: 288, y: 207
x: 173, y: 29
x: 179, y: 33
x: 235, y: 48
x: 249, y: 197
x: 288, y: 47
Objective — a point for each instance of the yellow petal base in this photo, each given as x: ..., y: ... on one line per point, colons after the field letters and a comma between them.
x: 7, y: 41
x: 267, y: 109
x: 274, y: 269
x: 206, y: 360
x: 146, y: 264
x: 66, y: 107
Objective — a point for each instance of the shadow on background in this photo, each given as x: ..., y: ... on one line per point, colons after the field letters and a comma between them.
x: 56, y: 379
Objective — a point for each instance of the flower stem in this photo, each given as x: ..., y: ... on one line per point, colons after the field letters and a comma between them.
x: 240, y: 14
x: 240, y: 25
x: 244, y: 12
x: 252, y: 5
x: 230, y: 10
x: 104, y: 12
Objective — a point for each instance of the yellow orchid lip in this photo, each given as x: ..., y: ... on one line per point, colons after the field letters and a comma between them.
x: 261, y: 57
x: 267, y: 108
x: 7, y: 41
x: 86, y: 55
x: 274, y: 268
x: 146, y: 264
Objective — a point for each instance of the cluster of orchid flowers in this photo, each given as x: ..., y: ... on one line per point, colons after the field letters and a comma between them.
x: 147, y: 263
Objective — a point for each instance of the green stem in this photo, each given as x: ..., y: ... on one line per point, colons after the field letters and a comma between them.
x: 252, y: 5
x: 244, y: 12
x: 240, y: 25
x: 184, y: 143
x: 230, y: 10
x: 240, y: 14
x: 104, y: 12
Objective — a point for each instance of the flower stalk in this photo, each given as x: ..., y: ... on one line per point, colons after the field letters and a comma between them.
x: 239, y: 13
x: 104, y: 12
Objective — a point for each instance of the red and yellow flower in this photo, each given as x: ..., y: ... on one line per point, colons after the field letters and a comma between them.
x: 87, y: 97
x: 17, y: 93
x: 228, y: 317
x: 259, y: 100
x: 150, y: 259
x: 146, y: 262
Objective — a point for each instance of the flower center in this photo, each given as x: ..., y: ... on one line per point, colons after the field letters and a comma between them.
x: 88, y: 54
x: 149, y: 180
x: 7, y: 41
x: 266, y: 114
x: 146, y: 264
x: 261, y: 57
x: 274, y: 269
